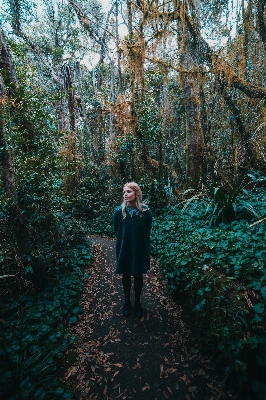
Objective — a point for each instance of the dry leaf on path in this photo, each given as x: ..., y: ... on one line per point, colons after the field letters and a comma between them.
x: 169, y: 390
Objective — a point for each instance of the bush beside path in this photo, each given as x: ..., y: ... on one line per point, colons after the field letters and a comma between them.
x: 152, y: 358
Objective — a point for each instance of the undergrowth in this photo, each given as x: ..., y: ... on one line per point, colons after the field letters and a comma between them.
x: 219, y: 273
x: 35, y: 319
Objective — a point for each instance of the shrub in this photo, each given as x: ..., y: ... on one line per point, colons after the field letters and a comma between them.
x: 34, y: 333
x: 219, y: 272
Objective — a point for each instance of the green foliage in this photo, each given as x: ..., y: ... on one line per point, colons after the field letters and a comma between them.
x: 216, y: 267
x: 259, y: 388
x: 31, y: 352
x: 33, y: 349
x: 43, y: 265
x: 219, y: 272
x: 35, y: 334
x: 222, y: 204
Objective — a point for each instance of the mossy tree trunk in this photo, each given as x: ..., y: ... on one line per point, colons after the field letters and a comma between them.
x: 194, y: 138
x: 8, y: 72
x: 70, y: 150
x: 8, y: 77
x: 189, y: 59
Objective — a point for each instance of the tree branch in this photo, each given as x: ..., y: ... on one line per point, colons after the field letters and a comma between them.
x: 206, y: 55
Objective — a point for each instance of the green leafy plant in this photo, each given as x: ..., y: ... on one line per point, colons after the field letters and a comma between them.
x: 219, y: 273
x: 31, y: 353
x: 29, y: 370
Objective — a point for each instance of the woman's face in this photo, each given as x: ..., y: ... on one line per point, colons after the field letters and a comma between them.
x: 129, y: 195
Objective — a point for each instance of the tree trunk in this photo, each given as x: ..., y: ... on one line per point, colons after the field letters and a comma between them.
x: 118, y: 49
x: 6, y: 62
x: 70, y: 151
x: 6, y: 161
x: 239, y: 125
x: 8, y: 176
x: 194, y: 139
x: 208, y: 156
x: 189, y: 60
x: 71, y: 100
x: 261, y: 28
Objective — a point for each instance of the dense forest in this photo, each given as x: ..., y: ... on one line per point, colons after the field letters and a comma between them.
x: 170, y: 94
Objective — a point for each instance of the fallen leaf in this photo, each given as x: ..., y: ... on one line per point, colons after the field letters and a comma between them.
x: 171, y: 370
x: 185, y: 379
x: 116, y: 386
x: 72, y: 371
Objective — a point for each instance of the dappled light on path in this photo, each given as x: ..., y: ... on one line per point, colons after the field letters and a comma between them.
x: 154, y: 357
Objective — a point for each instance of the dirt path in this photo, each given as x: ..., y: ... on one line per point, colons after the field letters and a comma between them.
x: 151, y: 358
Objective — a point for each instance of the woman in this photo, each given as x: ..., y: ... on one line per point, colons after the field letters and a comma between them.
x: 132, y: 225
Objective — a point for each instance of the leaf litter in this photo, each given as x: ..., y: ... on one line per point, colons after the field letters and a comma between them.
x: 155, y: 357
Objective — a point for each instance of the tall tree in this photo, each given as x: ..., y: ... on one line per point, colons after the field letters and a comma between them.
x: 7, y: 71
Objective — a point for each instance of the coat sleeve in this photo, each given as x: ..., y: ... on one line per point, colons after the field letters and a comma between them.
x: 115, y: 221
x: 149, y: 220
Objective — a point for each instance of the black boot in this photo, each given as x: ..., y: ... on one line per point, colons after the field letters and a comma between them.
x: 126, y: 281
x: 127, y: 307
x: 138, y: 307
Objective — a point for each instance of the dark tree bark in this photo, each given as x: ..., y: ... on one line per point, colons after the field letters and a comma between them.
x: 6, y: 63
x: 189, y: 60
x: 130, y: 18
x: 261, y: 27
x: 118, y: 49
x: 238, y: 123
x: 8, y: 71
x: 6, y: 162
x: 71, y: 100
x: 208, y: 156
x: 70, y: 151
x: 194, y: 139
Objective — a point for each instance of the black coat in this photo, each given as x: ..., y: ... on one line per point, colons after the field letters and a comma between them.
x: 132, y: 240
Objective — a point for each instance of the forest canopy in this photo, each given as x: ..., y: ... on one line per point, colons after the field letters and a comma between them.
x: 183, y: 82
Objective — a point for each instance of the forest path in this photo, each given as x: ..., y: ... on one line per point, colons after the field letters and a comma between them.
x: 151, y: 358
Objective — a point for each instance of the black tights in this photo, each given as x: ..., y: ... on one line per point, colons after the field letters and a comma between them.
x: 126, y: 281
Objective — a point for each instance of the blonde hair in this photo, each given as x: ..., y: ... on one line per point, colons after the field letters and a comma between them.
x: 134, y: 186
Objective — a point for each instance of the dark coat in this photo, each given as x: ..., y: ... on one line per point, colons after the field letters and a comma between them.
x: 132, y: 240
